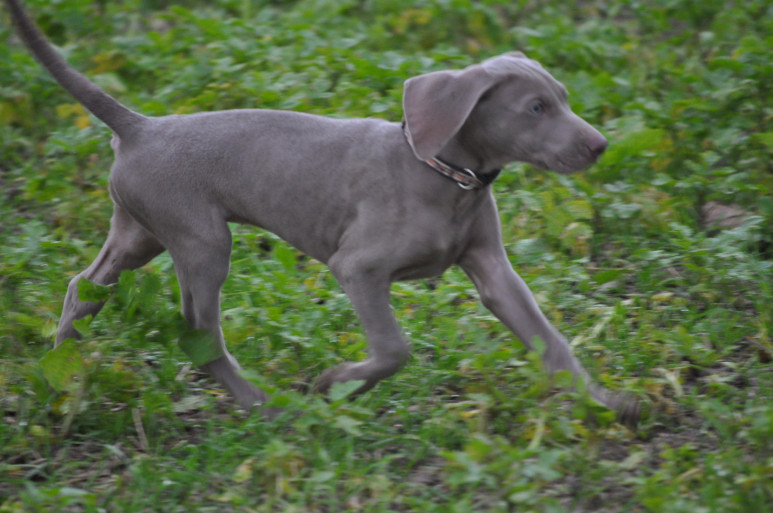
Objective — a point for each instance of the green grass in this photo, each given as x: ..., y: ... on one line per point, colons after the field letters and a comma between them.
x: 626, y: 259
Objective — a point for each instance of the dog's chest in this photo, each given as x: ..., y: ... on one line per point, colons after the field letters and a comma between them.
x: 433, y: 240
x: 428, y: 252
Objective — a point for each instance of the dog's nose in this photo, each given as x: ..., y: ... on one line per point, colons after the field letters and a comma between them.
x: 597, y: 145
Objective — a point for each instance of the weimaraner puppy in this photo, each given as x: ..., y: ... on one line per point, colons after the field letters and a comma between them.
x: 376, y: 201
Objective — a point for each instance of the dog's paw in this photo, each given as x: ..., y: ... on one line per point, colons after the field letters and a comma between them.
x: 247, y: 395
x: 268, y: 412
x: 326, y: 380
x: 338, y: 374
x: 629, y: 412
x: 628, y: 408
x: 255, y: 400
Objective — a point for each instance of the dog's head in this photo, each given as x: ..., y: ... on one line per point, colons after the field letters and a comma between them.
x: 506, y: 109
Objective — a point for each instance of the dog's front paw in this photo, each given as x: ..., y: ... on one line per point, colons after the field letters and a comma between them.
x: 326, y: 380
x: 338, y: 374
x: 628, y: 408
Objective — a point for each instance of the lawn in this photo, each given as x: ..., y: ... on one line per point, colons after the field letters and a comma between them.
x: 657, y: 264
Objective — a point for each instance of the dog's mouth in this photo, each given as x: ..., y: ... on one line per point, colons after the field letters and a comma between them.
x: 565, y: 164
x: 571, y: 157
x: 558, y: 165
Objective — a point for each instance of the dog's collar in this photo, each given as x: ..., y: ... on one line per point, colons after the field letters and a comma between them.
x: 465, y: 178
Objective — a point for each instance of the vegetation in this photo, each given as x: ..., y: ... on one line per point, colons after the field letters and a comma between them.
x: 656, y: 263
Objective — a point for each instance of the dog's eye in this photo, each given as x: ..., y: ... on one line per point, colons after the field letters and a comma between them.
x: 537, y: 107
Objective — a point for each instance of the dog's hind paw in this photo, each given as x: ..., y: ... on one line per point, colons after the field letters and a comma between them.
x: 629, y: 412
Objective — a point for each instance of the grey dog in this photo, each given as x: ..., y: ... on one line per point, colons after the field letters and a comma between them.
x: 376, y: 201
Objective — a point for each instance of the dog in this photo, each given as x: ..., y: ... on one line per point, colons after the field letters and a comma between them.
x: 376, y: 201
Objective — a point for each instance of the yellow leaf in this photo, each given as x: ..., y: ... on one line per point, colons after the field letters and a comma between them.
x: 83, y: 121
x: 107, y: 61
x: 38, y: 431
x: 76, y: 110
x: 634, y: 460
x: 580, y: 428
x: 673, y: 378
x: 244, y: 471
x: 229, y: 496
x: 65, y: 110
x: 467, y: 414
x: 13, y: 507
x: 580, y: 210
x: 7, y: 113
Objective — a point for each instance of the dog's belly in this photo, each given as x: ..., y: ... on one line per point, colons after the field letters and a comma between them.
x: 419, y: 270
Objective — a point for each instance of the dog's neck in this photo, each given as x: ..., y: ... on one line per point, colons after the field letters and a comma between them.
x: 467, y: 177
x: 459, y: 154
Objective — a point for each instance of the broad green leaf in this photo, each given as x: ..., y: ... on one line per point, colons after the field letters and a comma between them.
x: 286, y: 256
x: 200, y: 346
x: 580, y: 210
x: 83, y: 326
x: 339, y: 391
x: 766, y: 138
x: 92, y: 292
x: 348, y: 424
x: 62, y: 365
x: 576, y: 238
x: 608, y: 275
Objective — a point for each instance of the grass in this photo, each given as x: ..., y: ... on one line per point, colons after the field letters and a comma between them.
x: 659, y: 294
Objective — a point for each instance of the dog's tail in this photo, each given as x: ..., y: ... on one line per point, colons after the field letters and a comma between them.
x: 118, y: 117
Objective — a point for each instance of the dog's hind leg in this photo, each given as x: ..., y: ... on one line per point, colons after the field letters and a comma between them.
x: 202, y: 259
x: 128, y: 246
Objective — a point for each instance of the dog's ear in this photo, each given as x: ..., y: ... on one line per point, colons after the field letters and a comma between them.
x: 437, y: 104
x: 516, y: 55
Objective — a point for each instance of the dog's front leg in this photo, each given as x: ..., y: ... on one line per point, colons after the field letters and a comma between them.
x: 387, y: 348
x: 508, y: 297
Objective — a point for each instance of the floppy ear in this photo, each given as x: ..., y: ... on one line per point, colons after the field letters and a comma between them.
x: 437, y: 104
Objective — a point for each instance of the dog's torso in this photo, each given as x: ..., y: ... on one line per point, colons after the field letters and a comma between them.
x: 320, y: 183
